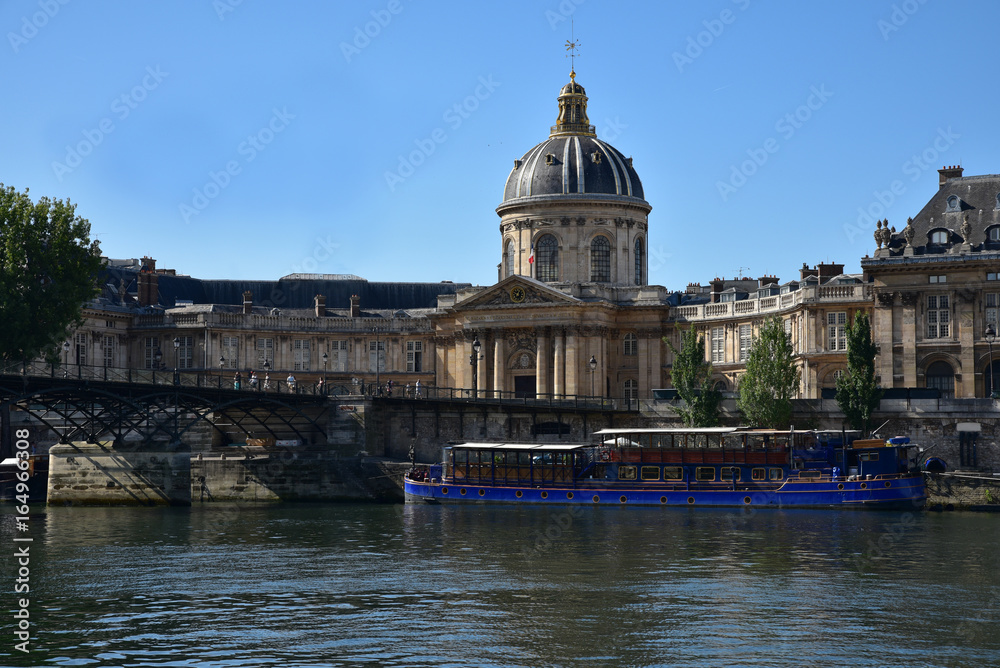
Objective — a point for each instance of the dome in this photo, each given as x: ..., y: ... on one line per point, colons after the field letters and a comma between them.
x: 573, y: 161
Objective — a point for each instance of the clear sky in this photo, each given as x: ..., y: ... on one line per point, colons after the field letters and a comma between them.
x: 254, y: 138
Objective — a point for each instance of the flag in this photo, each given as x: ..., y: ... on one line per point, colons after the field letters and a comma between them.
x: 531, y: 255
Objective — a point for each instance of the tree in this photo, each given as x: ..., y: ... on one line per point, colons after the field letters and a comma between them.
x: 48, y: 271
x: 858, y: 393
x: 692, y: 377
x: 770, y: 379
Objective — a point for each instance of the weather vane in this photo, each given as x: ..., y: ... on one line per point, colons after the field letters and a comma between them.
x: 572, y: 46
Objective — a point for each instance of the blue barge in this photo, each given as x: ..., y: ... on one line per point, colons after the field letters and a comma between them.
x: 725, y: 466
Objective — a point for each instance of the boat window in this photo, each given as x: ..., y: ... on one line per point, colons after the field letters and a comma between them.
x: 461, y: 456
x: 758, y: 474
x: 777, y: 474
x: 808, y: 474
x: 673, y: 473
x: 524, y: 458
x: 729, y: 471
x: 868, y: 456
x: 704, y: 473
x: 650, y: 473
x: 626, y: 473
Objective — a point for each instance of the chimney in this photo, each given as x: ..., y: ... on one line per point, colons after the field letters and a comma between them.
x: 717, y: 285
x: 247, y: 303
x: 827, y: 271
x: 147, y: 283
x: 355, y: 306
x: 320, y: 304
x: 945, y: 173
x: 767, y: 280
x: 805, y: 272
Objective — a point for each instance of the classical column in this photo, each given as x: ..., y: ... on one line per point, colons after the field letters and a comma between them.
x: 572, y: 361
x: 499, y: 378
x: 909, y: 328
x: 882, y: 335
x: 542, y: 364
x: 967, y: 339
x: 559, y: 365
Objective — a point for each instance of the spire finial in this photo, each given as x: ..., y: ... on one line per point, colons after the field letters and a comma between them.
x: 572, y: 46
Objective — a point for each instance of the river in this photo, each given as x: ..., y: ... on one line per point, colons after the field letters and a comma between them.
x: 391, y: 585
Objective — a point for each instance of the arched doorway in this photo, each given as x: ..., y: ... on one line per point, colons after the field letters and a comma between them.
x: 940, y: 375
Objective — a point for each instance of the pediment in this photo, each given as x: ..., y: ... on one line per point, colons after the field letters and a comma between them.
x: 515, y: 291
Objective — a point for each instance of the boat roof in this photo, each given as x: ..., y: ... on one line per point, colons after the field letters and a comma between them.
x: 521, y: 446
x: 672, y: 430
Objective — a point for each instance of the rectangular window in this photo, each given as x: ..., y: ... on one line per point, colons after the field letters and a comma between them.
x: 373, y: 355
x: 758, y: 474
x: 300, y: 353
x: 414, y: 356
x: 992, y: 301
x: 109, y: 351
x: 338, y: 355
x: 150, y: 348
x: 746, y: 339
x: 938, y: 279
x: 938, y: 317
x: 81, y: 349
x: 231, y: 351
x: 673, y: 473
x: 704, y: 473
x: 650, y: 473
x: 718, y: 344
x: 993, y: 276
x: 185, y: 352
x: 631, y: 344
x: 626, y: 472
x: 836, y: 325
x: 776, y: 474
x: 729, y: 472
x: 265, y: 352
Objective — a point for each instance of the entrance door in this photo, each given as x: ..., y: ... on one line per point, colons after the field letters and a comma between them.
x: 524, y: 387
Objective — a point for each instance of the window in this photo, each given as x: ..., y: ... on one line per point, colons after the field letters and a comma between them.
x: 600, y: 260
x: 300, y: 351
x: 952, y: 203
x: 993, y: 234
x: 631, y: 344
x: 938, y: 279
x: 109, y: 323
x: 231, y: 351
x: 640, y: 260
x: 649, y: 473
x: 151, y: 346
x: 758, y: 474
x: 185, y: 352
x: 718, y: 344
x: 626, y: 472
x: 338, y: 355
x: 376, y: 351
x: 547, y: 249
x: 992, y: 276
x: 941, y: 376
x: 868, y: 457
x: 746, y: 339
x: 939, y: 237
x: 704, y: 473
x: 509, y: 258
x: 787, y: 324
x: 265, y: 352
x: 631, y: 390
x: 992, y: 299
x: 673, y: 473
x: 938, y: 317
x: 109, y: 351
x: 776, y: 474
x: 81, y: 349
x: 837, y: 375
x: 414, y: 356
x: 836, y: 326
x: 728, y: 473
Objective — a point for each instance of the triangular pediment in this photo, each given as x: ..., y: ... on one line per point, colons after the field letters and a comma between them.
x: 515, y: 291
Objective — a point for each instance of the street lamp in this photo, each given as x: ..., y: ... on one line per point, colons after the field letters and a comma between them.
x: 991, y: 335
x: 325, y: 358
x: 378, y: 386
x: 474, y: 361
x: 65, y: 359
x: 222, y: 368
x: 593, y: 368
x: 177, y: 348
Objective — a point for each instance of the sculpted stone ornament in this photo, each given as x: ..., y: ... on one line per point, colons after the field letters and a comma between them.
x: 878, y: 234
x: 909, y: 232
x: 966, y: 230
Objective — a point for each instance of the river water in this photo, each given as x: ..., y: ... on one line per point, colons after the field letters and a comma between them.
x: 383, y: 585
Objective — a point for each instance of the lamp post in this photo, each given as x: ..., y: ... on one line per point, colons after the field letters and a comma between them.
x: 222, y: 368
x: 474, y: 361
x: 65, y: 359
x: 157, y: 356
x: 378, y: 386
x: 991, y: 335
x: 177, y: 348
x: 593, y: 369
x: 325, y: 358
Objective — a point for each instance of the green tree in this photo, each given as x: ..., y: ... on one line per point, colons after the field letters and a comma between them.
x: 692, y: 378
x: 770, y: 380
x: 858, y: 394
x: 48, y: 271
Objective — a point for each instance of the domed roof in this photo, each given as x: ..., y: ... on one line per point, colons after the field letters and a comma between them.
x: 573, y: 164
x: 573, y: 161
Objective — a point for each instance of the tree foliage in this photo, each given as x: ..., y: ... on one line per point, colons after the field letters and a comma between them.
x: 692, y: 378
x: 858, y: 393
x: 48, y: 271
x: 770, y: 380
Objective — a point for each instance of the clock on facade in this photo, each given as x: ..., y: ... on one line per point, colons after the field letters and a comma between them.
x: 517, y: 294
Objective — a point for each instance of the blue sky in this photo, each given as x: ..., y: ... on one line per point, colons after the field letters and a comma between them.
x: 253, y: 139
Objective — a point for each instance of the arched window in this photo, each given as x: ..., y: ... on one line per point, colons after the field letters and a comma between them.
x: 640, y: 257
x: 939, y: 237
x: 508, y: 258
x: 547, y: 257
x: 942, y: 376
x: 631, y: 344
x: 993, y: 234
x: 600, y: 260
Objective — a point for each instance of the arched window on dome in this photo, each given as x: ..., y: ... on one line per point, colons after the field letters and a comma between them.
x: 640, y: 257
x: 547, y: 258
x: 508, y: 259
x: 600, y: 260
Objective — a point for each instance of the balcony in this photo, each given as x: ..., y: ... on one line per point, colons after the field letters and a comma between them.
x: 859, y: 293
